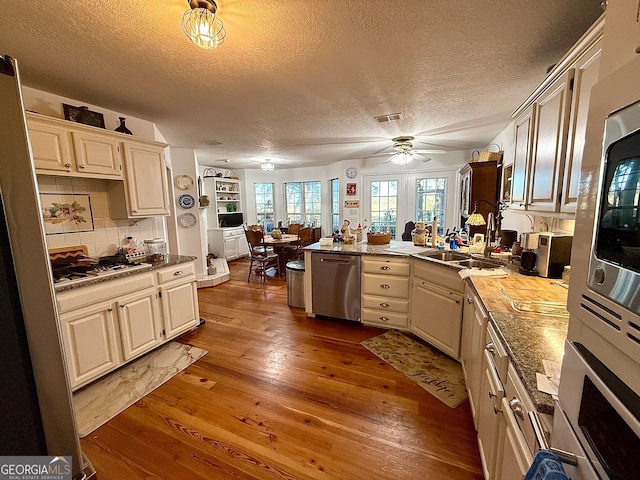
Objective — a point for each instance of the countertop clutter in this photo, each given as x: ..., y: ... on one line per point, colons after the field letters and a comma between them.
x: 528, y: 313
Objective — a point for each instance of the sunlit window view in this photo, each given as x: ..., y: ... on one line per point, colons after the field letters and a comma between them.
x: 264, y: 205
x: 335, y: 204
x: 430, y: 201
x: 303, y: 203
x: 384, y: 206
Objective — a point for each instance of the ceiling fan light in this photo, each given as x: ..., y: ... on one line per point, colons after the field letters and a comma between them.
x: 267, y: 166
x: 201, y: 25
x: 402, y: 158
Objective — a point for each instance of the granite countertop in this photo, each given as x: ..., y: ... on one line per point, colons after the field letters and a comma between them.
x: 363, y: 248
x: 168, y: 261
x: 528, y: 336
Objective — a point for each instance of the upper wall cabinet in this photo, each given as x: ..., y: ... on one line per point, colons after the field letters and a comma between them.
x: 70, y: 149
x: 145, y: 186
x: 63, y: 148
x: 550, y: 128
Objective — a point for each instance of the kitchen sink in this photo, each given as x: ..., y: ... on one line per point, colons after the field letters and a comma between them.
x: 472, y: 262
x: 448, y: 256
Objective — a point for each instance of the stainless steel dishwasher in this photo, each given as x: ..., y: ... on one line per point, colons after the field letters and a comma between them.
x: 336, y: 285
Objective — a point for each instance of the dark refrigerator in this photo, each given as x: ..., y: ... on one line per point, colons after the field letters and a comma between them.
x: 36, y: 404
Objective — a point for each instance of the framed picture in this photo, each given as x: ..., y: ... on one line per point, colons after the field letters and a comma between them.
x: 351, y: 189
x: 66, y: 213
x: 83, y: 115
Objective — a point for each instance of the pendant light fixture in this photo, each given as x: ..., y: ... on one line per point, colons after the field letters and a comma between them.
x: 202, y: 26
x: 267, y: 166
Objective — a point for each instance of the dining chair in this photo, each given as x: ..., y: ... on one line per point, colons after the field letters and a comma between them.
x: 261, y: 258
x: 294, y: 228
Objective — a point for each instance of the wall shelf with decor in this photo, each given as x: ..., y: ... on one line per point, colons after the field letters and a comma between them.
x: 224, y: 195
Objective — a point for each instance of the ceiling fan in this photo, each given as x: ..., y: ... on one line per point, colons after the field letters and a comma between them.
x: 403, y: 152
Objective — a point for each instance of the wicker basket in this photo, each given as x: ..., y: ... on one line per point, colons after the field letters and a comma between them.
x: 486, y: 155
x: 379, y: 238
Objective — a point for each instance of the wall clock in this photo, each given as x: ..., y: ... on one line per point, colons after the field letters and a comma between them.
x: 351, y: 172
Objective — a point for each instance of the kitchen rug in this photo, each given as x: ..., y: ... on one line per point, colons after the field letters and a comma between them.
x: 98, y: 403
x: 438, y: 374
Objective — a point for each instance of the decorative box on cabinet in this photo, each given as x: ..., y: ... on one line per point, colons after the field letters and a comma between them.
x: 385, y: 292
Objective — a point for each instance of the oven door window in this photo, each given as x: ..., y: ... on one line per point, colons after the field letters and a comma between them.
x: 618, y: 235
x: 613, y: 441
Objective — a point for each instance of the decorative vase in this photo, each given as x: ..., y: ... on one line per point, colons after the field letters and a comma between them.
x: 122, y: 128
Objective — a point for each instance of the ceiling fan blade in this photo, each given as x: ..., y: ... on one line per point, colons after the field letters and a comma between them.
x: 430, y: 152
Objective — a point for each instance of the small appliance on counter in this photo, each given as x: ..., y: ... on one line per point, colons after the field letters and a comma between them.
x: 553, y: 254
x: 528, y: 259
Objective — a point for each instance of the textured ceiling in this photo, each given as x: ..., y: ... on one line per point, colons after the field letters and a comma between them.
x: 299, y: 81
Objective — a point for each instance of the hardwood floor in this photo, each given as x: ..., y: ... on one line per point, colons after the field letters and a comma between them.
x: 283, y: 396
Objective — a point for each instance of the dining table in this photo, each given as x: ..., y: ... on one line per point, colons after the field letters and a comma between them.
x: 279, y: 245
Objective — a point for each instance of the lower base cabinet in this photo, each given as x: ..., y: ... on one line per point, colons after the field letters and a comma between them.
x: 436, y: 306
x: 229, y: 243
x: 104, y: 328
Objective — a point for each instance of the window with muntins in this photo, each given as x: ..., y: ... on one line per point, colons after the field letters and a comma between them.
x: 264, y: 205
x: 303, y: 202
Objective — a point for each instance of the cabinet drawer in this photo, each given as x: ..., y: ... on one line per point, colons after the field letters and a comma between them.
x: 446, y: 277
x: 387, y: 319
x: 177, y: 271
x: 109, y: 289
x: 385, y: 266
x: 386, y: 285
x: 385, y: 303
x: 230, y: 232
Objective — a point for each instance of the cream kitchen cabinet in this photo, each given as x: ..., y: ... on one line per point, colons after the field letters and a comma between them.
x: 91, y: 342
x: 549, y: 131
x: 385, y: 292
x: 179, y: 298
x: 489, y: 422
x: 436, y: 306
x: 64, y: 148
x: 475, y: 320
x: 140, y: 323
x: 144, y: 190
x: 587, y: 69
x: 229, y: 243
x: 111, y: 323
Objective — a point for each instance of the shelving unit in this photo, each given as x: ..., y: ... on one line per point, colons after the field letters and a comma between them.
x: 227, y: 240
x: 224, y: 194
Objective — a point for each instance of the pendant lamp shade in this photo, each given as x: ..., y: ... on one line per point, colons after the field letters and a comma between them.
x: 201, y: 25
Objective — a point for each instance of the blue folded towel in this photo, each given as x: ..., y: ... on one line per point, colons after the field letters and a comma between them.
x: 546, y: 466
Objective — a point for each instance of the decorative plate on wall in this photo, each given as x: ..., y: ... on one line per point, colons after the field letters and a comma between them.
x: 187, y: 220
x: 186, y: 201
x: 184, y: 182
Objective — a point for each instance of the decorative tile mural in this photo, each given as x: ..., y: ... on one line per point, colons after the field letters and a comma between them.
x: 66, y: 213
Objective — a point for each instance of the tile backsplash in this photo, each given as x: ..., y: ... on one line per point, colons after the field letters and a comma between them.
x: 108, y: 233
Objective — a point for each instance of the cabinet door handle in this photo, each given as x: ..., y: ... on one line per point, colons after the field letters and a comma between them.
x: 122, y: 305
x: 384, y: 319
x: 384, y: 285
x: 491, y: 348
x: 516, y: 407
x: 109, y: 309
x: 469, y: 301
x: 384, y: 267
x: 491, y: 394
x: 384, y: 305
x: 179, y: 272
x: 81, y: 165
x: 68, y: 165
